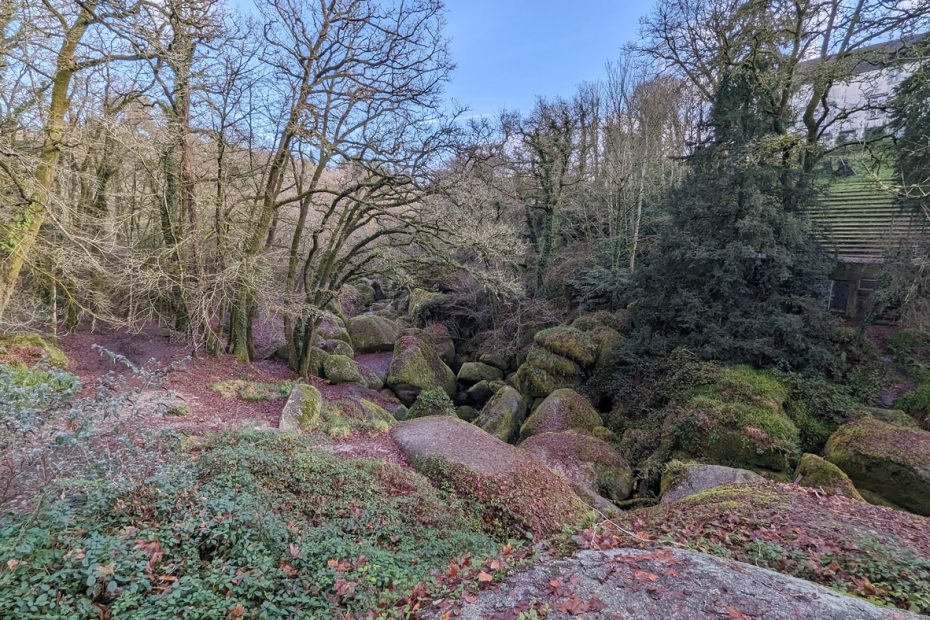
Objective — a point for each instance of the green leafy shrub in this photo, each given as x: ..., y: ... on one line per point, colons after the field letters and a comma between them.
x: 917, y: 401
x: 257, y: 522
x: 911, y: 351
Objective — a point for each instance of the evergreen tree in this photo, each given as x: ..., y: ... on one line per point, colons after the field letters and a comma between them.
x: 735, y: 273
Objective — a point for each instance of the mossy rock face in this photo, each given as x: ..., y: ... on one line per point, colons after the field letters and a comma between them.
x: 562, y: 410
x: 511, y: 492
x: 342, y: 369
x: 535, y: 382
x: 498, y: 360
x: 466, y: 412
x: 303, y: 409
x: 680, y: 480
x: 30, y: 349
x: 430, y: 402
x: 370, y: 378
x: 480, y: 393
x: 423, y: 303
x: 317, y: 357
x: 333, y: 328
x: 474, y: 372
x: 619, y: 320
x: 594, y: 466
x: 606, y: 340
x: 568, y: 342
x: 441, y: 338
x: 817, y: 473
x: 345, y: 417
x: 416, y: 366
x: 503, y: 414
x: 337, y: 347
x: 372, y: 333
x: 891, y: 416
x: 737, y: 420
x: 555, y: 365
x: 892, y: 461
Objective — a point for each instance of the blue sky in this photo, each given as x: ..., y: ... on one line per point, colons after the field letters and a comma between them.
x: 509, y: 52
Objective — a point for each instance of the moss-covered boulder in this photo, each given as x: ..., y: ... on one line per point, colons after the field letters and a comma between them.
x: 474, y: 372
x: 511, y: 492
x: 846, y: 544
x: 595, y: 467
x: 370, y: 377
x: 371, y: 333
x: 303, y: 409
x: 342, y: 369
x: 498, y: 360
x: 480, y: 393
x: 466, y: 412
x: 738, y: 419
x: 552, y: 363
x: 503, y: 414
x: 423, y: 304
x: 568, y: 342
x: 30, y: 349
x: 332, y: 327
x: 431, y: 402
x: 416, y: 366
x: 563, y: 410
x: 888, y: 460
x: 442, y: 340
x: 818, y: 473
x: 680, y: 480
x: 891, y: 416
x: 337, y: 347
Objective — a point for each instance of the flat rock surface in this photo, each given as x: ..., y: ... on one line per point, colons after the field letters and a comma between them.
x: 457, y: 442
x: 664, y: 584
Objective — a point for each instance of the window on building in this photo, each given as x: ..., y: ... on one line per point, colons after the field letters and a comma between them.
x: 839, y: 295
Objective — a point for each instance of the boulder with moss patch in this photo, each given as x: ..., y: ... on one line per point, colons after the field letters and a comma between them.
x: 423, y: 304
x: 569, y: 342
x: 498, y: 360
x: 416, y: 366
x: 442, y: 340
x: 891, y: 461
x: 596, y: 468
x: 332, y: 327
x: 552, y: 363
x: 372, y: 333
x: 512, y: 492
x: 342, y: 369
x: 818, y: 473
x: 474, y: 372
x: 337, y: 347
x: 680, y: 480
x: 503, y: 414
x: 434, y: 401
x: 563, y: 410
x: 738, y: 419
x: 30, y: 349
x: 303, y: 409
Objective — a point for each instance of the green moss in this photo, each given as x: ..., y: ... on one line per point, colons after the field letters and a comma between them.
x: 535, y: 382
x: 815, y: 472
x: 416, y: 363
x: 252, y: 391
x: 434, y: 401
x: 22, y: 347
x: 672, y: 474
x: 311, y: 407
x: 917, y: 401
x: 562, y: 410
x: 889, y: 460
x: 555, y: 365
x: 911, y: 351
x: 502, y: 415
x: 342, y: 369
x: 568, y: 342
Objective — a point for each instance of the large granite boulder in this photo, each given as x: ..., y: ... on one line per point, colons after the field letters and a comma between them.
x: 416, y: 366
x: 509, y: 490
x: 562, y: 410
x: 303, y: 409
x: 307, y: 411
x: 568, y: 342
x: 888, y: 460
x: 681, y: 480
x: 371, y: 333
x: 342, y: 369
x: 474, y: 372
x: 503, y: 414
x: 596, y: 468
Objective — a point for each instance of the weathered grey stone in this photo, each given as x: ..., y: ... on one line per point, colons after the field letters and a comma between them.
x: 689, y: 478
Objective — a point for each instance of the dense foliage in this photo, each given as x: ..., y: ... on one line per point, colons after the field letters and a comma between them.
x: 250, y: 524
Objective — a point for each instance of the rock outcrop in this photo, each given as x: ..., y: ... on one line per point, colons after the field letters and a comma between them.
x: 681, y: 480
x: 817, y: 473
x: 371, y: 333
x: 503, y: 414
x: 562, y: 410
x: 416, y: 366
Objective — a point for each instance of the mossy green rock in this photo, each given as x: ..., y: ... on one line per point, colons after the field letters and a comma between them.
x: 737, y: 420
x: 342, y: 369
x: 480, y: 393
x: 534, y: 382
x: 891, y: 416
x: 503, y: 414
x: 434, y: 401
x: 817, y: 473
x: 337, y: 347
x: 423, y: 303
x: 498, y: 360
x: 332, y: 327
x: 317, y: 357
x: 474, y: 372
x: 681, y: 480
x: 555, y: 365
x: 30, y: 348
x: 466, y: 412
x: 889, y: 460
x: 595, y: 467
x: 563, y: 410
x: 568, y: 342
x: 303, y: 409
x: 372, y: 333
x: 416, y: 366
